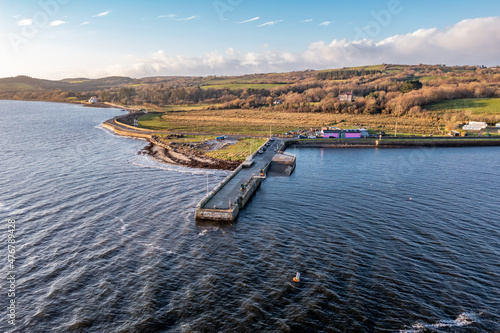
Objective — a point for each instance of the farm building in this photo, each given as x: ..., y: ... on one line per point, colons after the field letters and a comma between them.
x: 345, y: 134
x: 475, y: 126
x: 346, y: 97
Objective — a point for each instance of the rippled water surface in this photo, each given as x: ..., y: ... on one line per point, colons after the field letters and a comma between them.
x: 395, y: 240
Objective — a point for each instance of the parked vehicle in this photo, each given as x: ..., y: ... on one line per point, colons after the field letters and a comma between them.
x: 261, y: 151
x: 311, y: 137
x: 222, y: 137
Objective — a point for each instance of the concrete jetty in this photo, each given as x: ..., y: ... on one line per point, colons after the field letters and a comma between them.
x: 233, y: 193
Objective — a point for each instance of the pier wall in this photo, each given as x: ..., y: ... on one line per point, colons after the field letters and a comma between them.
x: 392, y: 143
x: 251, y: 188
x: 226, y: 215
x: 126, y: 132
x: 210, y: 195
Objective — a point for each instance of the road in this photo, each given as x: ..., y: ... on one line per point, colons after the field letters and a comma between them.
x: 232, y: 189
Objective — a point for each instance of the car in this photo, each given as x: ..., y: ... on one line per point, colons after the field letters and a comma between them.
x: 311, y: 137
x: 302, y: 136
x: 222, y: 137
x: 261, y: 151
x: 272, y: 139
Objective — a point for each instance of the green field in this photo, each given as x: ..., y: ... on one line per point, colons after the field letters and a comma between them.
x: 238, y: 151
x: 230, y: 80
x: 237, y: 86
x: 431, y: 78
x: 475, y: 106
x: 358, y: 68
x: 18, y: 87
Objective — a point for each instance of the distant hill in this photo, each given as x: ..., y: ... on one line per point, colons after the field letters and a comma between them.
x: 26, y: 83
x: 264, y: 80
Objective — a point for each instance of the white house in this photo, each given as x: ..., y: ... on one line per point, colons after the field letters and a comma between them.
x: 498, y: 125
x: 346, y: 97
x: 475, y: 126
x: 93, y: 100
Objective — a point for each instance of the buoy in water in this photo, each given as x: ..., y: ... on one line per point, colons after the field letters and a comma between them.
x: 297, y: 277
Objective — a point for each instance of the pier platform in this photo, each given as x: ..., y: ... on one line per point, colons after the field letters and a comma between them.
x: 233, y: 193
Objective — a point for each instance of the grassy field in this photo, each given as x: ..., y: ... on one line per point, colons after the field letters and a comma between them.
x: 18, y: 86
x: 358, y: 68
x: 230, y: 80
x: 431, y: 78
x: 239, y: 151
x: 258, y: 122
x: 236, y: 86
x: 476, y: 106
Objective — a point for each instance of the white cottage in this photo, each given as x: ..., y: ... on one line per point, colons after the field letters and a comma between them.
x: 93, y: 100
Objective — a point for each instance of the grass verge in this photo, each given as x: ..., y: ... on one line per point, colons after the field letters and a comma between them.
x: 238, y: 151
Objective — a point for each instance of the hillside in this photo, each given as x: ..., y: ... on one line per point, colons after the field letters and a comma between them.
x: 422, y: 99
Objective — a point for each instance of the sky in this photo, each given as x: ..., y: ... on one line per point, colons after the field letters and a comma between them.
x: 56, y: 39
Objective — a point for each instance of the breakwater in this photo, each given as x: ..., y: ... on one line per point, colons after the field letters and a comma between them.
x: 225, y: 201
x: 391, y: 143
x: 122, y: 125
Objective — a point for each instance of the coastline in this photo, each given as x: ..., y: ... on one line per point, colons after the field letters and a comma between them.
x: 169, y: 154
x: 182, y: 156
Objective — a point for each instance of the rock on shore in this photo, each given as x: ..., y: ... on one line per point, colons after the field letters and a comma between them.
x: 186, y: 157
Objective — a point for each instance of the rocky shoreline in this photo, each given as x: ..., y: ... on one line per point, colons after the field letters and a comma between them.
x: 187, y: 157
x: 164, y: 152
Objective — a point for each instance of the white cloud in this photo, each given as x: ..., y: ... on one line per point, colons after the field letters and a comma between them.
x: 325, y: 24
x: 85, y: 23
x: 269, y: 23
x: 102, y: 14
x: 187, y: 18
x: 250, y: 20
x: 56, y: 23
x: 25, y: 22
x: 166, y: 16
x: 473, y: 42
x: 307, y: 21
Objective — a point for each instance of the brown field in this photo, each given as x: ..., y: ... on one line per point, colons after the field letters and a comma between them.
x: 259, y: 122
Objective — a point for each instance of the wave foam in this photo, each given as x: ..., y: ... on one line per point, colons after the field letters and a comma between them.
x: 464, y: 319
x: 175, y: 168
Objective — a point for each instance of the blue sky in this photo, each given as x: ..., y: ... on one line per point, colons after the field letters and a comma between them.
x: 69, y: 38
